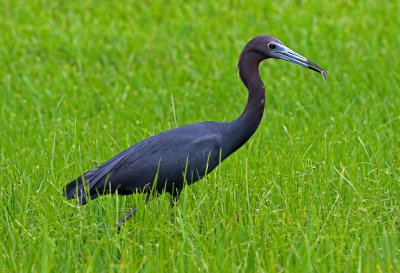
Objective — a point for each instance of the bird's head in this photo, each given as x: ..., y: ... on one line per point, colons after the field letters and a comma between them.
x: 270, y: 47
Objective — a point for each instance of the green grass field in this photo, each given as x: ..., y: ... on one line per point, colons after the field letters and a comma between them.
x: 316, y: 189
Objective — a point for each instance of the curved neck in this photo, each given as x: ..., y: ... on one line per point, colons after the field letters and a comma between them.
x: 248, y: 71
x: 244, y: 127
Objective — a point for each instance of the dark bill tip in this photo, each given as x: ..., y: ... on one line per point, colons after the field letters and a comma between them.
x: 324, y: 75
x: 291, y: 56
x: 317, y: 68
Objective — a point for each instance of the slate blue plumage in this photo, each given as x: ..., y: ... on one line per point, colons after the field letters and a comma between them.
x: 189, y: 152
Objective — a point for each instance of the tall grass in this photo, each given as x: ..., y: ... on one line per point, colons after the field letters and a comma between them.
x: 315, y: 189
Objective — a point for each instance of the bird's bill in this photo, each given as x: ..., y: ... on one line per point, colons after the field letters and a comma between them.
x: 289, y: 55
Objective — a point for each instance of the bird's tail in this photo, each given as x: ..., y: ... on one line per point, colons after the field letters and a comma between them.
x: 93, y: 183
x: 79, y: 189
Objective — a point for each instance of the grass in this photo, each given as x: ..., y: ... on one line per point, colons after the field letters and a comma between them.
x: 316, y: 189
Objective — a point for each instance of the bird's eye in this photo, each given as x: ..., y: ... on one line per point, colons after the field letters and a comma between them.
x: 272, y: 46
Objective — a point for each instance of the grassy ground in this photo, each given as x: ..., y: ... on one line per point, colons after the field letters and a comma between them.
x: 315, y: 189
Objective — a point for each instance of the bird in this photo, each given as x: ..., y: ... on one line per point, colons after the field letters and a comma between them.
x: 166, y: 162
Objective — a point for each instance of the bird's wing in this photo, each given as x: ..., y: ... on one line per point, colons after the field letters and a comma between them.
x: 93, y: 176
x: 169, y: 158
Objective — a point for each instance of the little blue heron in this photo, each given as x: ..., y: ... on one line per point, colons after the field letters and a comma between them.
x: 168, y: 160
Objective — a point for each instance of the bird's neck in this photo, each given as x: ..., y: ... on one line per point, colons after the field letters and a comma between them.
x: 250, y: 75
x: 245, y: 126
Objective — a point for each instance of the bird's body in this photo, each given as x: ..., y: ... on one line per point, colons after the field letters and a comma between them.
x: 166, y: 158
x: 166, y: 161
x: 170, y: 159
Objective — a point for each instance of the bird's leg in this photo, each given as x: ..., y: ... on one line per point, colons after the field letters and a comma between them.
x: 130, y: 213
x: 72, y: 214
x: 127, y: 216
